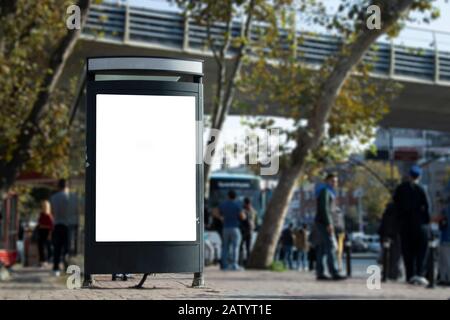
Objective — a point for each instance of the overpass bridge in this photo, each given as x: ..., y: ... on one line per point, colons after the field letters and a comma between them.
x: 424, y: 102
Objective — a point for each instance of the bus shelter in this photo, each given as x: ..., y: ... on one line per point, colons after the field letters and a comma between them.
x: 144, y: 168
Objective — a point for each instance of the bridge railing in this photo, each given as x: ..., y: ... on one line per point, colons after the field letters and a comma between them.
x: 175, y: 31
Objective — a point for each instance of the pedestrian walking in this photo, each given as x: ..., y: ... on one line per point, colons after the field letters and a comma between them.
x: 414, y: 218
x: 64, y: 209
x: 21, y: 243
x: 389, y: 232
x: 287, y: 243
x: 247, y: 227
x: 302, y: 247
x: 326, y: 244
x: 444, y: 247
x: 339, y: 231
x: 230, y: 213
x: 311, y: 257
x: 45, y: 228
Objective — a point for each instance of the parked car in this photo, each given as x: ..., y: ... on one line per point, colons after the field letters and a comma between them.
x: 358, y: 243
x: 373, y: 243
x: 365, y: 243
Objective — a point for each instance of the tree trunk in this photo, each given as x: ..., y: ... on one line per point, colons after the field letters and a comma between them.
x: 264, y: 249
x: 266, y: 242
x: 29, y: 128
x: 227, y: 85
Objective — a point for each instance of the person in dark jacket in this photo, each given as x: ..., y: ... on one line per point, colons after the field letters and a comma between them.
x: 324, y: 229
x: 231, y: 214
x: 247, y: 228
x: 414, y: 218
x: 287, y: 243
x: 389, y: 231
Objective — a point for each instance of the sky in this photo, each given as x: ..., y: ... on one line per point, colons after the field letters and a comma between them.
x: 233, y: 131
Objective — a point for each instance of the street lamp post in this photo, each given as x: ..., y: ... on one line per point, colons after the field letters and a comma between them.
x: 359, y: 193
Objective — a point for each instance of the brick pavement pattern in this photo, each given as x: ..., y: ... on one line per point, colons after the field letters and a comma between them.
x: 34, y: 283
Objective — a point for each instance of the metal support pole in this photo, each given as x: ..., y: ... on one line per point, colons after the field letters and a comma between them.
x: 432, y: 245
x: 126, y: 31
x: 386, y: 258
x: 88, y: 281
x: 436, y: 59
x: 360, y: 215
x: 348, y: 255
x: 391, y: 155
x: 294, y: 33
x: 186, y: 31
x: 199, y: 280
x: 392, y: 60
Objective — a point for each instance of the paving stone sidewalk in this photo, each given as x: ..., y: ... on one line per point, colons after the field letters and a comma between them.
x: 34, y: 283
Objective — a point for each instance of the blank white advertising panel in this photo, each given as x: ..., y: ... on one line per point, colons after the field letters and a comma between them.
x: 145, y: 168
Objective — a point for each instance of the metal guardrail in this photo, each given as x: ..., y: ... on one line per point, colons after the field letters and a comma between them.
x: 174, y: 31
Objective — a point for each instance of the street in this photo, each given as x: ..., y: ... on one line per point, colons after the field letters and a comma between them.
x: 195, y: 138
x: 34, y: 283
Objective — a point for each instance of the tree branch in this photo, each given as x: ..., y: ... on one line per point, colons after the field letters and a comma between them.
x: 231, y: 88
x: 350, y: 56
x: 211, y: 42
x: 30, y: 126
x: 221, y: 81
x: 228, y: 33
x: 373, y: 173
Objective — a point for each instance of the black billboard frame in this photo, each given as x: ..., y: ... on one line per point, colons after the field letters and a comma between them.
x: 152, y: 256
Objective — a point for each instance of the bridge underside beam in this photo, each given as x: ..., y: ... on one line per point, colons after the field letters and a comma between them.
x: 420, y: 105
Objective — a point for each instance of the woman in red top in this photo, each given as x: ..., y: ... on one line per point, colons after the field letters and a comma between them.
x: 45, y: 227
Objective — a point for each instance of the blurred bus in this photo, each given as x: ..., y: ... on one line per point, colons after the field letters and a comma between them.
x: 245, y: 185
